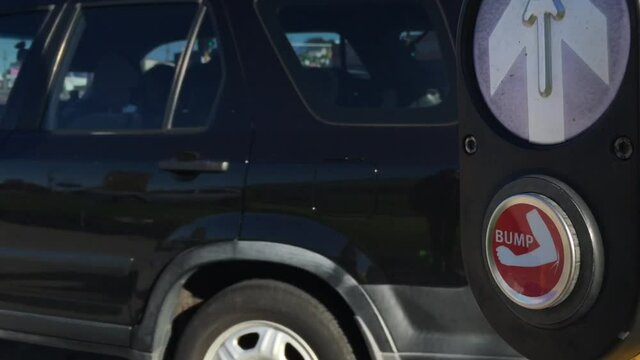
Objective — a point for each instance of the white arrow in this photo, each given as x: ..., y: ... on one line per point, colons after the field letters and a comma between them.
x: 546, y: 253
x: 541, y: 12
x: 577, y: 23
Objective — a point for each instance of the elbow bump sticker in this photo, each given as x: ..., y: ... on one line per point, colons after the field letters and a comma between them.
x: 532, y: 251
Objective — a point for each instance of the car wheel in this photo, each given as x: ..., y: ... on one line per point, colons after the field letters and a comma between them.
x: 263, y: 320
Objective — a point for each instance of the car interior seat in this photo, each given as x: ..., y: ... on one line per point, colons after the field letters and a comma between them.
x: 103, y: 106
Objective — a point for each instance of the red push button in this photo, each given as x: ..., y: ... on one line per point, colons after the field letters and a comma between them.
x: 532, y: 251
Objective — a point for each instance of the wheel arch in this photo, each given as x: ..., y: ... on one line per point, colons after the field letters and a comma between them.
x: 153, y: 333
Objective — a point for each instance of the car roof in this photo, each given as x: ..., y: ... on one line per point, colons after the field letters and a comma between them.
x: 25, y: 4
x: 19, y: 5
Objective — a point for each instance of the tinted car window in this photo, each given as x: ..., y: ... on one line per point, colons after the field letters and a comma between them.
x: 367, y: 62
x: 121, y: 77
x: 202, y: 81
x: 326, y: 51
x: 17, y: 33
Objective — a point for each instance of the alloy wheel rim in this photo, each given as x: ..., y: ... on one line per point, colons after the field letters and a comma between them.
x: 259, y: 340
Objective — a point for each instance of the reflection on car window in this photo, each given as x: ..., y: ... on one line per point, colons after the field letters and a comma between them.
x: 16, y: 37
x: 316, y: 50
x: 367, y: 62
x: 120, y: 78
x: 167, y: 54
x: 326, y: 51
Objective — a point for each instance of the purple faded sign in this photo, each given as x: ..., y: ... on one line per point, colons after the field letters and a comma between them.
x: 549, y: 69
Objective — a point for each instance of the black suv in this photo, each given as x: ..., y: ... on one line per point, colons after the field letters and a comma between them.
x: 234, y: 179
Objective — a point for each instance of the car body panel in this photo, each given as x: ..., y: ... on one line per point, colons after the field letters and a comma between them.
x: 123, y: 219
x: 103, y: 240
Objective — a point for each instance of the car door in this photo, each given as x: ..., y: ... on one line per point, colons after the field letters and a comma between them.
x: 373, y: 85
x: 138, y: 153
x: 377, y: 82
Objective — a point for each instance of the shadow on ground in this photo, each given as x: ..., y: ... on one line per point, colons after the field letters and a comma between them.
x: 16, y: 351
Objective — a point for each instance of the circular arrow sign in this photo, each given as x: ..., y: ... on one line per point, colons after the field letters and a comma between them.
x: 532, y: 251
x: 549, y: 69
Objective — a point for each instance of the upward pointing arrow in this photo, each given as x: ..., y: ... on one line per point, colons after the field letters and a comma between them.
x: 538, y: 8
x: 541, y: 12
x: 577, y: 24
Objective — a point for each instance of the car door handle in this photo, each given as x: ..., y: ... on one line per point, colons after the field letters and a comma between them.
x: 194, y: 166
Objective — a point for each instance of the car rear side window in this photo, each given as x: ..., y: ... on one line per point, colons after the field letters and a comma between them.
x: 17, y: 32
x: 125, y: 77
x: 367, y: 62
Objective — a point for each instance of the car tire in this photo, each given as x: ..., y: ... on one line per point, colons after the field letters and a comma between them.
x: 274, y: 319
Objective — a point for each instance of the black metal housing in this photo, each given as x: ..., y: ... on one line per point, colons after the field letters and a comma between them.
x: 589, y: 166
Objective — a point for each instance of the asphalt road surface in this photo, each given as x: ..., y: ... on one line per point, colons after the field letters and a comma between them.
x: 15, y: 351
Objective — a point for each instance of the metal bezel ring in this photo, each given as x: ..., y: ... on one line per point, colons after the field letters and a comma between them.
x: 571, y: 250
